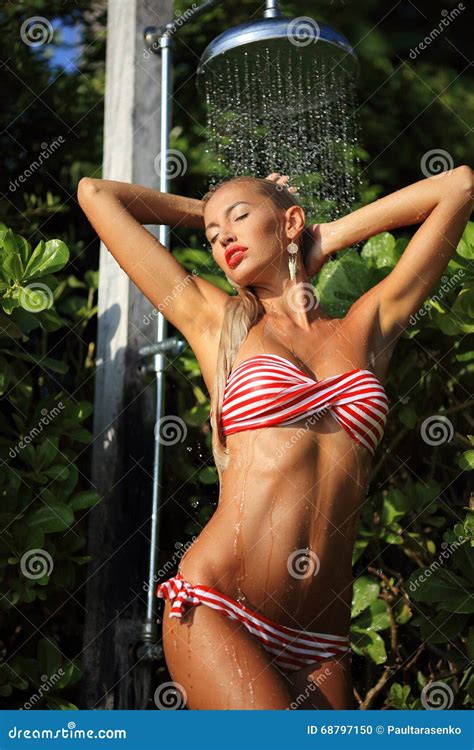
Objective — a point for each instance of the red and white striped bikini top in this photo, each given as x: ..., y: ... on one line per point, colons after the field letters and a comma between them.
x: 267, y: 390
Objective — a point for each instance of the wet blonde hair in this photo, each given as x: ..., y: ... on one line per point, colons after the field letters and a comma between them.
x: 241, y: 313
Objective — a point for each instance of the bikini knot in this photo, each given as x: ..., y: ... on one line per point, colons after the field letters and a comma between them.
x: 180, y: 591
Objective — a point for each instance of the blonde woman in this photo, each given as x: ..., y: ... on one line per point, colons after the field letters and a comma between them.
x: 258, y: 614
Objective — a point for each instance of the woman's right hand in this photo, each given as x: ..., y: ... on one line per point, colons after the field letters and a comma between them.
x: 281, y: 180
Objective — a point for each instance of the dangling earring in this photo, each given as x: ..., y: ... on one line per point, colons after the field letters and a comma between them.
x: 292, y: 250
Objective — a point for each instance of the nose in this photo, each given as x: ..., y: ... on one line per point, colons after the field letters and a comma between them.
x: 227, y: 237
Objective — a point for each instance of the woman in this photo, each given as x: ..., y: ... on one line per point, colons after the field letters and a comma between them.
x: 298, y: 408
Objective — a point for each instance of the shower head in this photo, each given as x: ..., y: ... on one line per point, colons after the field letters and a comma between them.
x: 273, y: 48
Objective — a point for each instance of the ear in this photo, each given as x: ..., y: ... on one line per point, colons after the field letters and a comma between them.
x: 295, y: 220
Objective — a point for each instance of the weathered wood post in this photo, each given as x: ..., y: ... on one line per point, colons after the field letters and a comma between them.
x: 124, y: 404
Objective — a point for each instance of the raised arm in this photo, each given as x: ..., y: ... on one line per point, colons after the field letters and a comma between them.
x: 117, y: 210
x: 443, y: 203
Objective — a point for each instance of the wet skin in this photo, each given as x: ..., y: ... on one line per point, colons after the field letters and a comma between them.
x: 286, y: 488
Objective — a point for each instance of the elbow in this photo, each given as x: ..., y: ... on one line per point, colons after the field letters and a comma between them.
x: 466, y: 180
x: 87, y: 186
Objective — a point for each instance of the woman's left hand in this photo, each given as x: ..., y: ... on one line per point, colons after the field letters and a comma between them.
x: 281, y: 180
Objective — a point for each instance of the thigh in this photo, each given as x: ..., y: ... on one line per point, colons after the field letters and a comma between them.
x: 217, y: 663
x: 326, y: 686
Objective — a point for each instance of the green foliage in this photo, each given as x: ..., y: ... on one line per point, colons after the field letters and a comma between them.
x: 41, y: 547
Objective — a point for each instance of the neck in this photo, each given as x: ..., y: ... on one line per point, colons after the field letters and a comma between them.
x: 291, y: 299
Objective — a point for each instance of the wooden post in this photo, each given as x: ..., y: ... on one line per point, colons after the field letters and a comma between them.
x: 124, y: 413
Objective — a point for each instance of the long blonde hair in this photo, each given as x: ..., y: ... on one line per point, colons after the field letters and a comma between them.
x: 241, y: 313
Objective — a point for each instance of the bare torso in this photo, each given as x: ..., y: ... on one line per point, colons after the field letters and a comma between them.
x: 282, y: 536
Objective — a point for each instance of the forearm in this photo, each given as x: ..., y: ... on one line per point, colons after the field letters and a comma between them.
x: 410, y: 205
x: 149, y: 206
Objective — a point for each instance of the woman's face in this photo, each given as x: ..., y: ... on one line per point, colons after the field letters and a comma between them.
x: 240, y: 215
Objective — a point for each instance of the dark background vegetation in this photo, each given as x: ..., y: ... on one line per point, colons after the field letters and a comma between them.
x: 404, y: 638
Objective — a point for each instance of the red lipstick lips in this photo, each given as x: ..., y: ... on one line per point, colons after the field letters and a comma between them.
x: 234, y: 254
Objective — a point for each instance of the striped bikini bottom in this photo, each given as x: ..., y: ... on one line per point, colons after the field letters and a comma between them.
x: 291, y: 648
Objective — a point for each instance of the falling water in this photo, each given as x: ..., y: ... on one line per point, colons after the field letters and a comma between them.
x: 273, y: 112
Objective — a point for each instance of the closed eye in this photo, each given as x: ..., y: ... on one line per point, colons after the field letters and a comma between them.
x: 237, y: 219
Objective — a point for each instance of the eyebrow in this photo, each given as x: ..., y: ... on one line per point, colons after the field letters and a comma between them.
x: 227, y: 211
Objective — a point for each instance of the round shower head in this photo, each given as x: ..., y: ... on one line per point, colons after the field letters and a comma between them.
x: 271, y: 48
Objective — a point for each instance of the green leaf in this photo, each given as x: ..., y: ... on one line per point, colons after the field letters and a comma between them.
x: 85, y: 499
x: 49, y: 657
x: 380, y: 251
x: 365, y: 591
x: 434, y: 584
x: 466, y: 460
x: 395, y: 506
x: 442, y: 627
x: 46, y: 258
x: 208, y: 475
x: 374, y: 617
x: 58, y: 517
x: 368, y: 643
x: 343, y: 280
